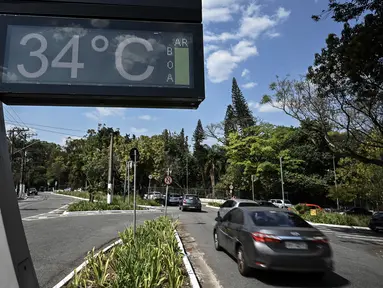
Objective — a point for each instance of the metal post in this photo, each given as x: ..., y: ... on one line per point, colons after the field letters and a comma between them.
x: 16, y: 267
x: 129, y: 166
x: 126, y: 172
x: 335, y: 181
x: 166, y: 197
x: 283, y: 192
x: 252, y: 186
x: 21, y: 186
x: 149, y: 185
x: 134, y: 194
x: 110, y: 185
x: 187, y: 172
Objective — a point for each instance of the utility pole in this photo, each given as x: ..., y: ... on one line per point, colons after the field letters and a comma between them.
x: 283, y: 192
x: 126, y: 172
x: 187, y: 172
x: 110, y: 185
x: 335, y: 181
x: 134, y: 194
x: 252, y: 186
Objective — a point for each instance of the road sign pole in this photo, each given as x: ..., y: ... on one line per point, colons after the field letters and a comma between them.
x: 166, y: 200
x: 134, y: 194
x: 252, y: 185
x: 16, y: 267
x: 129, y: 166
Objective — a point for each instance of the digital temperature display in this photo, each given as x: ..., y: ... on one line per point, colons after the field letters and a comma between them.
x: 79, y: 56
x: 67, y: 61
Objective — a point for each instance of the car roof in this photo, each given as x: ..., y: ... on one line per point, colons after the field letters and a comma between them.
x: 243, y: 200
x: 191, y: 195
x: 261, y: 208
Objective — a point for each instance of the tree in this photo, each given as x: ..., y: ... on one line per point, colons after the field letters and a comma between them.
x: 244, y: 117
x: 200, y: 151
x: 344, y: 89
x: 229, y: 122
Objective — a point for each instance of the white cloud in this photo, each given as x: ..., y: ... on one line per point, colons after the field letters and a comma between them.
x: 146, y: 117
x: 265, y: 108
x: 102, y: 112
x: 210, y: 48
x: 252, y: 24
x: 138, y: 130
x: 249, y: 85
x: 222, y: 14
x: 245, y: 72
x: 221, y: 63
x: 273, y: 34
x: 64, y: 140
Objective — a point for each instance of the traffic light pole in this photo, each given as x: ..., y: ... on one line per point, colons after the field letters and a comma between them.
x: 16, y: 267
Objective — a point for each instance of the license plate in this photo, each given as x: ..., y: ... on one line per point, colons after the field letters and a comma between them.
x: 296, y: 245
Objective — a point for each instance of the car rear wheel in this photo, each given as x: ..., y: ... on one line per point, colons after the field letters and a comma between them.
x: 243, y: 268
x: 216, y: 242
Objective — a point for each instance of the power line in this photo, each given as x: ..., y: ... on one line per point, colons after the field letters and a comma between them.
x: 17, y: 115
x: 51, y: 131
x: 53, y: 127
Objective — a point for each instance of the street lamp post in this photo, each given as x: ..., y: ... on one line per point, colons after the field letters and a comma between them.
x: 335, y: 182
x: 253, y: 178
x: 150, y: 178
x: 283, y: 192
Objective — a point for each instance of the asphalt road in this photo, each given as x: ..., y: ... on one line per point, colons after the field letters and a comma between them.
x: 358, y: 258
x: 44, y: 202
x: 59, y: 244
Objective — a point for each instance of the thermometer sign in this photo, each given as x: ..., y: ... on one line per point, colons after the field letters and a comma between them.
x: 60, y: 61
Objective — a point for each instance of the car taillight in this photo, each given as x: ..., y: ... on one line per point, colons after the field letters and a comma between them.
x: 320, y: 239
x: 184, y: 201
x: 265, y: 238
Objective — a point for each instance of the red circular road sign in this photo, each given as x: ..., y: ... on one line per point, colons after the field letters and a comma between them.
x: 168, y: 180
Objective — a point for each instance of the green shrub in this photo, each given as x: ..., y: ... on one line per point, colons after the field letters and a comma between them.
x: 151, y: 259
x: 215, y: 204
x: 337, y: 219
x: 117, y: 204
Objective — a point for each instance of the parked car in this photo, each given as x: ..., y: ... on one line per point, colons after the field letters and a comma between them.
x: 279, y: 203
x: 376, y: 222
x: 272, y: 239
x: 265, y: 203
x: 233, y: 203
x: 32, y: 191
x: 190, y: 202
x: 357, y: 211
x: 174, y: 199
x: 155, y: 196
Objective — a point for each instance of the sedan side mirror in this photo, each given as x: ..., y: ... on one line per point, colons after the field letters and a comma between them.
x: 218, y: 219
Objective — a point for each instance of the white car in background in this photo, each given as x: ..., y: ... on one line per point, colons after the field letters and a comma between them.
x: 279, y: 203
x: 155, y: 196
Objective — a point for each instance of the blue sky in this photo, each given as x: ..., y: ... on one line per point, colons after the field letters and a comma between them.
x: 251, y: 40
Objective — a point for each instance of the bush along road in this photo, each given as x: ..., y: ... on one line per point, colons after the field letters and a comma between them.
x: 151, y: 258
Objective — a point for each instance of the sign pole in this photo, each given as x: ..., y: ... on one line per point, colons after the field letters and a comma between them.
x: 134, y: 194
x: 16, y: 267
x: 168, y: 181
x: 126, y: 172
x: 252, y: 186
x: 129, y: 166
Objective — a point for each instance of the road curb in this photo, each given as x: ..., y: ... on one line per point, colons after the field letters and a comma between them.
x: 214, y: 207
x: 339, y: 226
x: 83, y: 264
x: 107, y: 212
x: 189, y: 268
x: 69, y: 196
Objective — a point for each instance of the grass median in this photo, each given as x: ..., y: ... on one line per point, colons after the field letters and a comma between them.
x: 151, y: 259
x: 337, y: 219
x: 118, y: 202
x: 215, y: 204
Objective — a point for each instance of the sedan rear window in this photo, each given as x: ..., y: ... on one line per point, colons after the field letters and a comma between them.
x: 247, y: 204
x: 191, y: 197
x: 277, y: 219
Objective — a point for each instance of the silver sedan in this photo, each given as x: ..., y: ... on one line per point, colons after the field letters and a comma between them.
x: 272, y: 239
x: 233, y: 203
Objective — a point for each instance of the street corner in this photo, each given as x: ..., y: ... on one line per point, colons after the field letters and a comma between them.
x: 205, y: 274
